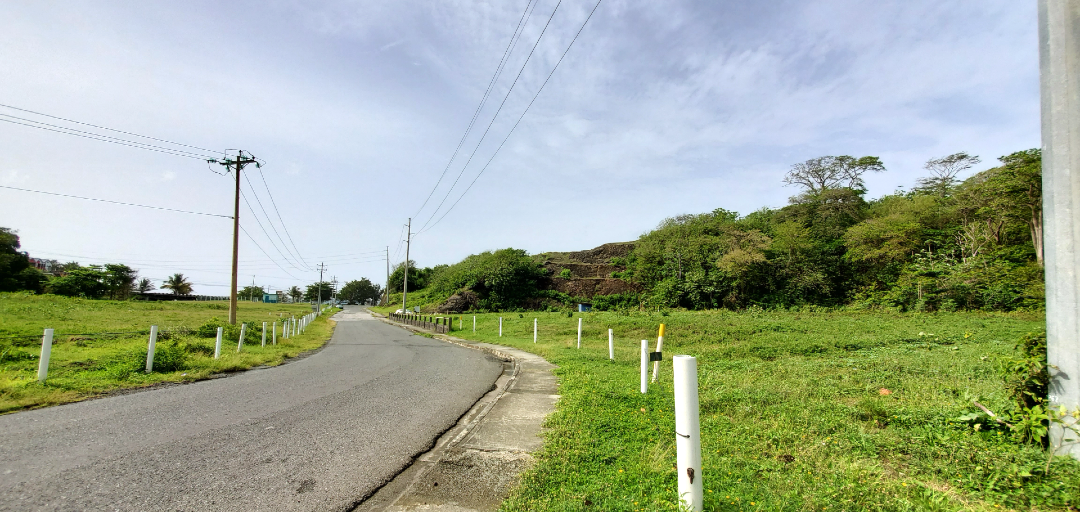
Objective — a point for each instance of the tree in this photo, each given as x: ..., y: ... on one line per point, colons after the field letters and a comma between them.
x: 360, y: 291
x: 178, y: 284
x: 828, y: 172
x: 88, y: 282
x: 1017, y: 190
x: 145, y: 285
x: 295, y: 294
x: 12, y: 262
x: 943, y: 172
x: 251, y: 293
x: 314, y: 291
x: 119, y: 280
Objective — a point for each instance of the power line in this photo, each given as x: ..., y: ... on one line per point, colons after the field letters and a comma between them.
x: 114, y: 202
x: 106, y: 128
x: 501, y: 105
x: 132, y: 144
x: 272, y: 202
x: 267, y: 255
x: 257, y: 221
x: 522, y: 116
x: 110, y: 138
x: 518, y: 30
x: 268, y: 220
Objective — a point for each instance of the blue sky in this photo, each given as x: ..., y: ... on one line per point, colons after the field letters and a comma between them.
x: 659, y: 109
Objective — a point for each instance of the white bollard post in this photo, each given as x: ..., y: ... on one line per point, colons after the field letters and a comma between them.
x: 611, y: 344
x: 687, y: 432
x: 659, y: 348
x: 274, y: 333
x: 217, y: 345
x: 644, y: 366
x: 46, y: 351
x: 264, y: 334
x: 240, y: 343
x: 474, y: 324
x: 534, y: 330
x: 150, y: 349
x: 500, y: 327
x: 579, y: 332
x: 461, y: 323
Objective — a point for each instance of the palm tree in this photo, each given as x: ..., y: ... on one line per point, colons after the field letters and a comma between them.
x: 145, y: 285
x: 178, y: 284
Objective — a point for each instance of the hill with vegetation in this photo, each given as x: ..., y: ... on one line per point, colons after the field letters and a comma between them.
x: 943, y: 245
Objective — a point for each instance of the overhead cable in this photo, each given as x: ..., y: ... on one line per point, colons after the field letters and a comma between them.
x: 115, y: 202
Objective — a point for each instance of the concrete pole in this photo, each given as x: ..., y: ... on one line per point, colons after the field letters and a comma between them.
x: 240, y: 343
x: 579, y: 332
x: 1059, y: 66
x: 500, y: 327
x: 534, y: 330
x: 264, y: 334
x: 274, y: 329
x: 687, y: 432
x: 217, y: 345
x: 46, y: 351
x: 611, y: 344
x: 150, y: 349
x: 474, y: 325
x: 644, y: 366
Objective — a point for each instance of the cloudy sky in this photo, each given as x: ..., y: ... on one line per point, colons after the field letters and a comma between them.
x: 357, y: 108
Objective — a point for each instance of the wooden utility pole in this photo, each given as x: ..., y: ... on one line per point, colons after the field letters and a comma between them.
x: 322, y: 267
x: 405, y: 285
x: 386, y: 291
x: 1059, y: 60
x: 236, y: 164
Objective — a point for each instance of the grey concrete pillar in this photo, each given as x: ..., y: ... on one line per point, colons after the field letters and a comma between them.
x: 1059, y: 63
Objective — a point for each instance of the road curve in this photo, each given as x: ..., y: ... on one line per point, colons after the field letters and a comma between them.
x: 315, y: 434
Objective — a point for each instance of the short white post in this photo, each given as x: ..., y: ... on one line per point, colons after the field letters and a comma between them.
x: 644, y: 366
x: 243, y: 329
x: 46, y: 351
x: 500, y: 327
x: 264, y: 334
x: 579, y: 332
x: 659, y: 348
x: 534, y: 330
x: 474, y: 324
x: 274, y: 333
x: 461, y: 323
x: 611, y: 344
x: 687, y: 432
x: 217, y: 345
x: 150, y: 349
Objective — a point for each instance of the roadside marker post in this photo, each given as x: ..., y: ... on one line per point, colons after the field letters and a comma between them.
x: 150, y: 349
x: 474, y: 324
x: 274, y: 328
x: 500, y: 327
x: 659, y: 348
x: 534, y: 330
x: 611, y: 344
x: 264, y: 334
x: 687, y: 432
x: 644, y: 366
x: 461, y: 322
x: 579, y: 332
x: 217, y: 345
x: 46, y: 351
x: 243, y: 328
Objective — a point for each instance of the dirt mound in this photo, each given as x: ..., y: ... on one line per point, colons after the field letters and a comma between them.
x: 603, y: 254
x: 590, y: 288
x: 459, y: 302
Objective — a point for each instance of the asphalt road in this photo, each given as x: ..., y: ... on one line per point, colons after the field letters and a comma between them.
x: 315, y: 434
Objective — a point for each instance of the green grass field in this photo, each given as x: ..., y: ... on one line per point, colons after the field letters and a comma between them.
x: 793, y: 415
x: 88, y: 360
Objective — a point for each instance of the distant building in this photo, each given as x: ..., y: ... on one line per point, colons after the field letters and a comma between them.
x: 46, y: 266
x: 270, y: 297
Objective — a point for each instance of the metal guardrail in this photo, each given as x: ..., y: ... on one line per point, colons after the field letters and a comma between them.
x: 438, y: 324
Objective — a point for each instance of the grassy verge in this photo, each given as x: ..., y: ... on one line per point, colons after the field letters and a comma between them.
x: 793, y: 413
x: 85, y: 362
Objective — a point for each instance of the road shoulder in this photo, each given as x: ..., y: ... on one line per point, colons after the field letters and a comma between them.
x: 475, y: 464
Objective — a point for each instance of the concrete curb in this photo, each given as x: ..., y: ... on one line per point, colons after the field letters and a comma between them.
x: 475, y: 464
